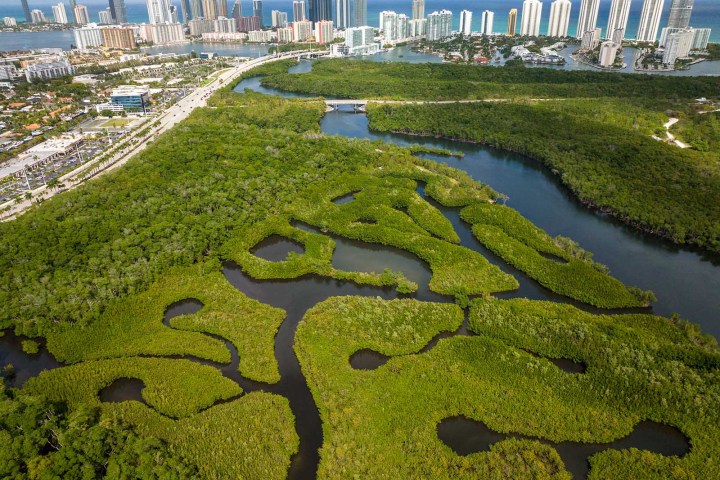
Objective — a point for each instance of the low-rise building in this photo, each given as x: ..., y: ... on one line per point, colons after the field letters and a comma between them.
x: 48, y: 70
x: 132, y: 98
x: 10, y: 22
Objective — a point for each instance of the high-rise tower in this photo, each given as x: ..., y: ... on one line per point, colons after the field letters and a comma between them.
x: 418, y: 9
x: 298, y: 11
x: 618, y: 20
x: 26, y: 11
x: 588, y: 17
x: 680, y: 11
x: 342, y: 13
x: 118, y: 11
x: 650, y: 20
x: 559, y: 18
x: 486, y: 22
x: 258, y: 11
x: 530, y: 21
x: 222, y: 8
x: 512, y: 22
x: 359, y: 13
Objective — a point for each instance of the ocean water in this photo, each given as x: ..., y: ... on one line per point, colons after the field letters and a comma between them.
x: 706, y: 13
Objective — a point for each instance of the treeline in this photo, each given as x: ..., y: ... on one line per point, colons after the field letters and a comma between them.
x: 42, y: 439
x: 701, y: 131
x: 612, y: 165
x: 366, y: 79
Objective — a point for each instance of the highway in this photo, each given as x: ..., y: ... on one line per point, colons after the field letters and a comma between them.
x: 159, y: 125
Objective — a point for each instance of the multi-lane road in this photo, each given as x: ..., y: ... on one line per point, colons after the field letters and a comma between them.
x: 138, y: 140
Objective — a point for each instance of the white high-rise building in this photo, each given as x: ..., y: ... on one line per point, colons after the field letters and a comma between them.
x: 618, y: 20
x: 466, y: 22
x: 530, y: 21
x: 608, y: 53
x: 279, y: 19
x: 388, y: 25
x: 559, y: 18
x: 87, y: 37
x: 678, y: 45
x: 105, y: 16
x: 588, y: 17
x: 10, y: 21
x: 302, y: 30
x: 60, y: 14
x: 37, y: 16
x: 359, y: 37
x: 324, y: 31
x: 701, y: 39
x: 486, y: 22
x: 299, y: 11
x: 82, y: 16
x: 342, y: 13
x: 650, y: 20
x: 416, y: 28
x: 167, y: 33
x: 591, y: 39
x: 439, y: 25
x: 418, y: 9
x: 224, y: 25
x: 680, y: 11
x: 159, y: 11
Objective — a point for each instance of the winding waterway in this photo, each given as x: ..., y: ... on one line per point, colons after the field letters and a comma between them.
x: 685, y: 281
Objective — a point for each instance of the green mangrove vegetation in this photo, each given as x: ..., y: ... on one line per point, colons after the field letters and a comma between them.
x: 134, y: 325
x: 568, y: 271
x: 42, y: 439
x: 364, y: 79
x: 95, y: 270
x: 610, y: 162
x: 390, y: 414
x: 175, y: 388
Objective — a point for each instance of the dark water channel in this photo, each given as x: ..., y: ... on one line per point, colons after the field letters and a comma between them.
x: 465, y: 436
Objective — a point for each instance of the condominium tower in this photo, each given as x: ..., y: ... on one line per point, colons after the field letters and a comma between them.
x: 618, y: 20
x: 258, y: 11
x: 680, y: 11
x: 531, y: 14
x: 299, y: 11
x: 512, y: 22
x: 209, y: 9
x: 439, y: 25
x: 359, y: 13
x: 159, y: 11
x: 59, y: 13
x: 466, y: 22
x: 26, y: 11
x: 588, y: 17
x: 81, y: 14
x: 342, y: 13
x: 118, y: 12
x: 486, y: 22
x: 222, y: 8
x: 650, y: 20
x: 318, y: 10
x: 559, y: 18
x: 418, y: 9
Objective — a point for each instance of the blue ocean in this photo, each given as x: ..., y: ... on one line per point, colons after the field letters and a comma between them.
x: 705, y: 14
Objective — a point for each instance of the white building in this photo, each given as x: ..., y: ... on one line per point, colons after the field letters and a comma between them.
x: 198, y: 26
x: 48, y: 70
x: 299, y: 11
x: 285, y: 35
x: 279, y: 19
x: 678, y: 45
x: 59, y: 14
x: 618, y: 20
x: 559, y: 18
x: 361, y: 41
x: 10, y: 22
x: 224, y: 37
x: 466, y: 22
x: 588, y: 17
x: 530, y: 21
x: 82, y: 17
x: 608, y: 53
x: 418, y: 9
x: 87, y: 37
x: 159, y: 11
x: 37, y: 16
x: 261, y: 36
x: 701, y: 39
x: 416, y: 27
x: 105, y: 17
x: 650, y: 20
x: 388, y: 25
x: 168, y: 34
x: 8, y: 71
x: 439, y: 25
x: 591, y: 39
x: 486, y: 22
x: 224, y: 25
x: 302, y: 30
